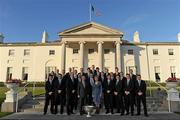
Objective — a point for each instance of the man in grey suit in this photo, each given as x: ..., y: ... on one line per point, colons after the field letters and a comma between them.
x: 83, y: 93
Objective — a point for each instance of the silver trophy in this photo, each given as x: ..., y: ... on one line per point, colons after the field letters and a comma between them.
x: 89, y: 109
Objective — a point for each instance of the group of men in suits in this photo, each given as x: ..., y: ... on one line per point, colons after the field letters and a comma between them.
x: 72, y: 89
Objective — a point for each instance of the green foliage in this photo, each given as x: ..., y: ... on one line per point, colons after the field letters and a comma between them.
x: 37, y: 84
x: 3, y: 114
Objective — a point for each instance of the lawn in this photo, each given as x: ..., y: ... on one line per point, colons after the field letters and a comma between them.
x: 37, y: 91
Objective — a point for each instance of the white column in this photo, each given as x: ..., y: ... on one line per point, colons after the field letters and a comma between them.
x: 81, y: 51
x: 118, y: 54
x: 100, y: 54
x: 63, y: 55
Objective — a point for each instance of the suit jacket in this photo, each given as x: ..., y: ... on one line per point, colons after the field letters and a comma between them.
x: 119, y: 87
x: 94, y: 72
x: 133, y: 77
x: 62, y: 86
x: 49, y: 87
x: 70, y: 84
x: 109, y: 87
x: 141, y: 88
x: 129, y: 87
x: 83, y: 91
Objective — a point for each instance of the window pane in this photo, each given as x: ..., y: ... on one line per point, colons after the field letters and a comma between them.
x: 170, y: 51
x: 25, y: 73
x: 130, y: 52
x: 26, y: 52
x: 75, y: 51
x: 9, y: 73
x: 155, y: 51
x: 157, y: 73
x: 106, y: 51
x: 51, y: 52
x: 11, y: 52
x: 91, y: 51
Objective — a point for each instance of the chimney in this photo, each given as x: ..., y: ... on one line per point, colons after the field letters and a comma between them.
x: 178, y: 37
x: 44, y: 37
x: 136, y: 37
x: 1, y: 38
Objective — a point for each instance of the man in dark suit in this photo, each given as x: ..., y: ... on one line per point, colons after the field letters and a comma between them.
x: 140, y: 90
x: 61, y: 92
x: 133, y: 78
x: 108, y: 94
x: 106, y: 73
x: 81, y: 73
x: 71, y: 92
x: 128, y: 94
x: 49, y: 95
x: 88, y: 76
x: 83, y: 93
x: 118, y: 92
x: 93, y: 70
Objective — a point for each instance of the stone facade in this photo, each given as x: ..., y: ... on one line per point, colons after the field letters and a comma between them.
x: 85, y: 45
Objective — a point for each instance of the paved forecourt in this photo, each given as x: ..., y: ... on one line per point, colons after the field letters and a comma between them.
x: 39, y: 116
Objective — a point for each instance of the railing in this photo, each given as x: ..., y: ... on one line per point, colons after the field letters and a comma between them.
x: 17, y: 98
x: 164, y: 88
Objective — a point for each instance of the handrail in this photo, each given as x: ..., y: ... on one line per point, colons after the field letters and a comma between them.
x: 169, y: 100
x: 17, y: 97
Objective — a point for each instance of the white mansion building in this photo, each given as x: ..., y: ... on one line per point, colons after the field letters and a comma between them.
x: 85, y: 45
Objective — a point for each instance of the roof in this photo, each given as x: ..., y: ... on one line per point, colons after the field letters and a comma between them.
x: 100, y: 30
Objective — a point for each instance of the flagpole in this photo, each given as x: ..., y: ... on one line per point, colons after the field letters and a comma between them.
x: 90, y: 12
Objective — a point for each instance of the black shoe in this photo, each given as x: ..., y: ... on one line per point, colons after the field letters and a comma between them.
x: 44, y: 113
x: 68, y: 113
x: 112, y: 112
x: 146, y: 115
x: 122, y: 114
x: 137, y: 114
x: 118, y: 111
x: 107, y: 112
x: 132, y: 114
x: 72, y: 112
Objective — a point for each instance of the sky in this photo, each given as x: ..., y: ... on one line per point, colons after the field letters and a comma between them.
x: 25, y: 20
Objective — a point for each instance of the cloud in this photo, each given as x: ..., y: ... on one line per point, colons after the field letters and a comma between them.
x: 135, y: 19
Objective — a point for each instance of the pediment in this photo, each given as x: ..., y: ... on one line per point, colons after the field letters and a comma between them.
x: 91, y: 28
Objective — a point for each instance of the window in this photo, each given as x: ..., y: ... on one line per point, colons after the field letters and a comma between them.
x: 155, y: 51
x: 51, y: 52
x: 91, y: 51
x: 173, y: 71
x: 75, y: 51
x: 106, y: 51
x: 48, y: 70
x: 26, y: 52
x: 25, y: 73
x: 170, y: 51
x: 157, y: 73
x: 11, y: 52
x: 9, y: 73
x: 130, y: 51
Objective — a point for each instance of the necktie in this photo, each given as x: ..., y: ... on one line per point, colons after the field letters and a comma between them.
x: 59, y: 81
x: 117, y: 82
x: 128, y: 82
x: 83, y: 84
x: 139, y: 82
x: 108, y: 82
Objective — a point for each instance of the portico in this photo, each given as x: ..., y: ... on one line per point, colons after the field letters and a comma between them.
x: 82, y: 36
x: 97, y: 35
